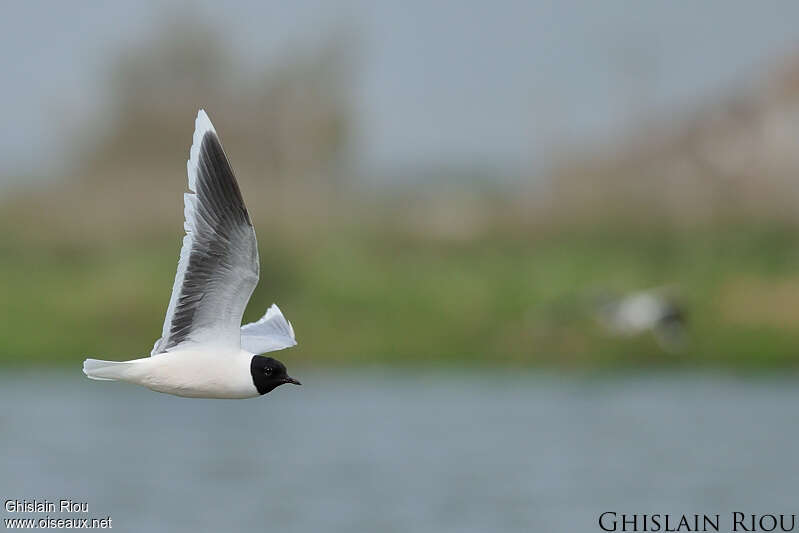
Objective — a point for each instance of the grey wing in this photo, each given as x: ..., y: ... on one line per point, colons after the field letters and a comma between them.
x: 218, y: 266
x: 272, y: 332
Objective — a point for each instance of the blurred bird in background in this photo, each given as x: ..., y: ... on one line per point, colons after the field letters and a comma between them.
x: 636, y: 313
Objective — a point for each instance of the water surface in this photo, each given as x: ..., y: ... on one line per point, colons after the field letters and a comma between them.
x: 403, y: 451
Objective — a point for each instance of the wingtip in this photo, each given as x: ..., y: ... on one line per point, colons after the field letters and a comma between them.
x: 288, y: 322
x: 203, y: 123
x: 274, y: 311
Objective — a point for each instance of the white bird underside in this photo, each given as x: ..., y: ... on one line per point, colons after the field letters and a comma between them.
x: 203, y: 349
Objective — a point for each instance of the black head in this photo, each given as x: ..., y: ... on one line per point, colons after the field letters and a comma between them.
x: 268, y: 373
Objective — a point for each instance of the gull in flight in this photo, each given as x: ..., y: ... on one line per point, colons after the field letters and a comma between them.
x: 204, y: 351
x: 646, y: 310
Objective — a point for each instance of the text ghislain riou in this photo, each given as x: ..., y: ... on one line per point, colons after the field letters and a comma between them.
x: 629, y: 522
x: 45, y: 506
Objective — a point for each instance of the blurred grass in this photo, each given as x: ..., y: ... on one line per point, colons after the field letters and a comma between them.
x: 451, y: 270
x: 366, y: 294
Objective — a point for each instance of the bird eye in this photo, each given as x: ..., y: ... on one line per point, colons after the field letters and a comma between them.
x: 268, y: 371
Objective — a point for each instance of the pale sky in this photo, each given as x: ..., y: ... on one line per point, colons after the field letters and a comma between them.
x: 484, y: 84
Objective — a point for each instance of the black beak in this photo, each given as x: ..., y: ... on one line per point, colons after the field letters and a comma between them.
x: 292, y: 380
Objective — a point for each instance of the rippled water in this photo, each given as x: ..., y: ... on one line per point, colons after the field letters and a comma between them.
x: 401, y: 451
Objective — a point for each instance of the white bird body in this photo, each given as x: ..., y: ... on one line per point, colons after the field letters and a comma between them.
x: 638, y: 312
x: 203, y: 351
x: 191, y: 373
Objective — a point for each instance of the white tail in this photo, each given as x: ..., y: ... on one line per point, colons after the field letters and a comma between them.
x: 105, y: 370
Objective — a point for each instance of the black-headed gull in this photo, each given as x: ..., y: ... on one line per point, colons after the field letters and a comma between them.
x: 204, y: 352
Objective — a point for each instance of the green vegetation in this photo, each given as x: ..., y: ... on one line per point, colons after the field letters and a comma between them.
x: 440, y: 266
x: 378, y: 296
